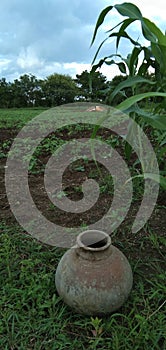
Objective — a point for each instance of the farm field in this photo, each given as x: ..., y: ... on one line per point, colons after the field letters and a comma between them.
x: 32, y: 315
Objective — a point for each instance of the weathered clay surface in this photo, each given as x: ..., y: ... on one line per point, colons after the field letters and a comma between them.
x: 94, y: 282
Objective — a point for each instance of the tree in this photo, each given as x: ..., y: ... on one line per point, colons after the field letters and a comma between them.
x: 58, y: 89
x: 4, y: 93
x: 92, y: 86
x: 24, y: 91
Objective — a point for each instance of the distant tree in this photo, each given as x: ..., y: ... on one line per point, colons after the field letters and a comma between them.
x: 24, y: 91
x: 92, y: 87
x: 58, y: 89
x: 4, y: 93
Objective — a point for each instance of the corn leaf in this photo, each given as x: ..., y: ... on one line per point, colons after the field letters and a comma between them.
x: 157, y: 121
x: 100, y: 21
x: 134, y: 59
x: 155, y: 177
x: 125, y: 24
x: 129, y: 83
x: 129, y: 10
x: 134, y: 99
x: 123, y: 35
x: 161, y: 38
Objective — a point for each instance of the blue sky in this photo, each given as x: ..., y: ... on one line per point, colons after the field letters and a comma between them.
x: 47, y: 36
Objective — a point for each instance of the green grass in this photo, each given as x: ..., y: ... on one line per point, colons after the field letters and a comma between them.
x: 17, y: 118
x: 34, y: 317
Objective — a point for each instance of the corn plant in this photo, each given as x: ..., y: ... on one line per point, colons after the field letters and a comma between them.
x: 136, y: 67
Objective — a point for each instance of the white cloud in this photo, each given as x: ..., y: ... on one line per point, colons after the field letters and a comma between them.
x: 76, y: 68
x: 151, y: 9
x: 47, y: 36
x: 28, y: 59
x: 4, y: 62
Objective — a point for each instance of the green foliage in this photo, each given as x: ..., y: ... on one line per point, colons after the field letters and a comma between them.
x: 17, y: 118
x: 24, y: 92
x: 28, y: 91
x: 32, y: 316
x: 92, y: 86
x: 54, y: 90
x: 59, y: 89
x: 137, y: 74
x: 4, y: 93
x: 153, y: 56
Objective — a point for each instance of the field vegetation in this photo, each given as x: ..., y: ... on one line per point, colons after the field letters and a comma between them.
x: 32, y: 315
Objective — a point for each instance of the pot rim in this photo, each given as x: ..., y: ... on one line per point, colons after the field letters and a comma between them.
x: 102, y: 238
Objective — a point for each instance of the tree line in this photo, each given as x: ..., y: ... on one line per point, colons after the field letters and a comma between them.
x: 57, y: 89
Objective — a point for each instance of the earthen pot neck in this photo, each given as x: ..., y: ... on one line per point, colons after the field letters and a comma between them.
x: 93, y: 243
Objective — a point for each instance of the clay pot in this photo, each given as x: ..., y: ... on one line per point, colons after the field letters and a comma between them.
x: 94, y: 277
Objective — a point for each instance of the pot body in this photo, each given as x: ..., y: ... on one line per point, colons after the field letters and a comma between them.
x: 94, y: 282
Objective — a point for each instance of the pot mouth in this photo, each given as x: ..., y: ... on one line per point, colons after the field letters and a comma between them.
x: 93, y: 240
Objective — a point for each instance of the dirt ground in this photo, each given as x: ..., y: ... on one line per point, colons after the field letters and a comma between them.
x: 72, y: 179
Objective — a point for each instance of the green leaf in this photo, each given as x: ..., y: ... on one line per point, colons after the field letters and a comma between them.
x: 134, y: 99
x: 163, y: 182
x: 129, y: 10
x: 123, y: 35
x: 143, y: 68
x: 157, y: 178
x: 128, y: 150
x: 158, y: 121
x: 96, y: 66
x: 117, y: 25
x: 109, y: 63
x: 104, y: 60
x: 159, y: 52
x: 96, y: 54
x: 147, y: 33
x: 129, y: 83
x: 125, y: 24
x: 147, y: 53
x: 162, y: 152
x: 156, y: 52
x: 134, y: 59
x: 161, y: 38
x: 100, y: 21
x: 122, y: 67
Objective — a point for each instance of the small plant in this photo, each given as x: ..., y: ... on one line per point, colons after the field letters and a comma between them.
x: 97, y: 332
x: 4, y: 148
x: 79, y: 168
x: 2, y: 154
x: 97, y: 326
x: 61, y: 194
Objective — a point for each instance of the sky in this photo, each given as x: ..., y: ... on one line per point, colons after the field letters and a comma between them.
x: 42, y: 37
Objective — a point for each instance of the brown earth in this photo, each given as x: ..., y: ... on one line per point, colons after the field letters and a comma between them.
x: 136, y: 245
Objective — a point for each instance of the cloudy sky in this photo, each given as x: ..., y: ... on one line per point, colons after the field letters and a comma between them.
x: 42, y: 37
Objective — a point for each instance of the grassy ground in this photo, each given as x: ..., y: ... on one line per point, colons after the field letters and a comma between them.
x: 11, y: 118
x: 33, y: 316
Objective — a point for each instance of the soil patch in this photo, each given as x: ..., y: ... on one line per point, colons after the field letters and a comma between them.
x: 73, y: 178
